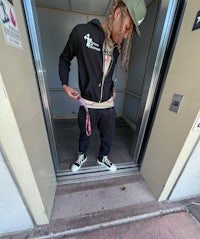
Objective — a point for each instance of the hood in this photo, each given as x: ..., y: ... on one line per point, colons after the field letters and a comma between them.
x: 97, y: 24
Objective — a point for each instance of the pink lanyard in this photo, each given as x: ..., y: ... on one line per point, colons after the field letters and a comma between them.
x: 87, y: 121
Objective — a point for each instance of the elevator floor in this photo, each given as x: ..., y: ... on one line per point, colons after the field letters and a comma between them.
x: 67, y: 135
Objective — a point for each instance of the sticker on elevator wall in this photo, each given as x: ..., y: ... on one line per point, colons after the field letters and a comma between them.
x: 9, y: 23
x: 197, y: 124
x: 197, y: 22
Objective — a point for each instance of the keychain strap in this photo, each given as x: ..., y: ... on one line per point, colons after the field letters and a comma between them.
x: 87, y: 121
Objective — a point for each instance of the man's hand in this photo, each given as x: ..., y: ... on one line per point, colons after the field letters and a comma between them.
x: 70, y: 92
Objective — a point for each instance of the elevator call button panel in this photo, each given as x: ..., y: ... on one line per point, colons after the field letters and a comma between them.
x: 175, y: 103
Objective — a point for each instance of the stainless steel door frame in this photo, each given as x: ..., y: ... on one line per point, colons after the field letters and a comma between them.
x: 33, y: 30
x: 140, y: 131
x: 41, y: 75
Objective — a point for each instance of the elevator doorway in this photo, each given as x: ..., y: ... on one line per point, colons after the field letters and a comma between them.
x: 53, y: 22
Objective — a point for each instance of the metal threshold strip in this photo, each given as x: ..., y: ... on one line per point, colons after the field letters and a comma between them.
x: 92, y: 174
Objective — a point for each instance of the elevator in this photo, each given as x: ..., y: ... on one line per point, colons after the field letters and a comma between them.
x: 49, y: 24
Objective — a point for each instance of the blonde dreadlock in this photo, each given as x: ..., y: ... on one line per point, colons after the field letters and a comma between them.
x: 126, y: 47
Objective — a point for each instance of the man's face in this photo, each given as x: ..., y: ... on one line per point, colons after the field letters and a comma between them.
x: 126, y: 27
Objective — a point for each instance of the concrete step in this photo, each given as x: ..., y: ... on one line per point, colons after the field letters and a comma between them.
x: 92, y: 206
x: 66, y: 226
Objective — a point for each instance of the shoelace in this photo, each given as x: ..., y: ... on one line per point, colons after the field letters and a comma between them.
x: 87, y: 121
x: 107, y: 161
x: 80, y: 159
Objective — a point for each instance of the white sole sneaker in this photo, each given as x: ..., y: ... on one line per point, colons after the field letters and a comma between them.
x: 107, y: 163
x: 78, y: 163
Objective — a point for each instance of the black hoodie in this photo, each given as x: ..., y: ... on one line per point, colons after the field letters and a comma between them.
x: 86, y: 43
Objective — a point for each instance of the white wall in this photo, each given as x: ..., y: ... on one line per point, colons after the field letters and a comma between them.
x: 189, y: 181
x: 13, y: 213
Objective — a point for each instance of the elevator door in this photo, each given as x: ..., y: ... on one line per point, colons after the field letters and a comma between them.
x: 133, y: 88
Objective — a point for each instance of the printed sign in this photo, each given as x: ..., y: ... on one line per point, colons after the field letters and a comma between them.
x: 9, y: 23
x: 197, y: 22
x: 175, y: 103
x: 197, y: 124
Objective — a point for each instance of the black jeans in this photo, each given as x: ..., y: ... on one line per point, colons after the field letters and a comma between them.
x: 104, y: 120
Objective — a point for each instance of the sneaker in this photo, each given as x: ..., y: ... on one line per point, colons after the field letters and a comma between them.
x: 78, y: 163
x: 107, y: 163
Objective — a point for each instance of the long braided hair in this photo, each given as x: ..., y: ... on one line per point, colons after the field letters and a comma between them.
x: 123, y: 47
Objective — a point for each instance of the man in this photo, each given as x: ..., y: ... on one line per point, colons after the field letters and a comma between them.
x: 97, y: 47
